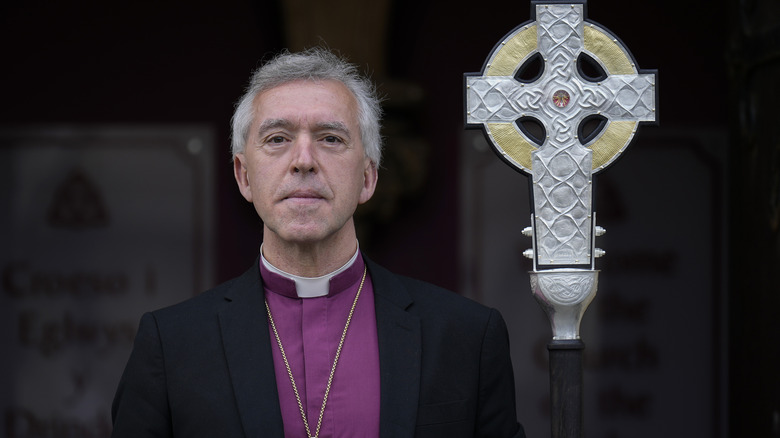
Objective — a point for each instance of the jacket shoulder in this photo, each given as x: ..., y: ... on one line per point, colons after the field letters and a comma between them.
x: 426, y: 299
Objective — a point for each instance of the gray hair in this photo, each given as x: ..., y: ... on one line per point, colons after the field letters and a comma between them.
x: 312, y: 64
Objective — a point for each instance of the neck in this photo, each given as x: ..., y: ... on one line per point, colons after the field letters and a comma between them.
x: 307, y: 259
x: 310, y: 287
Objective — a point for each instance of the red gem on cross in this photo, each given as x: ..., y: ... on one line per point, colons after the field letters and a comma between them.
x: 561, y: 98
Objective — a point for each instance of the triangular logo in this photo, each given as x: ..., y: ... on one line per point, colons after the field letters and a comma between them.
x: 77, y: 204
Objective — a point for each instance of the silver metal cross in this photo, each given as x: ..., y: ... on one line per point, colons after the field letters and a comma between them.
x: 586, y: 75
x: 562, y: 99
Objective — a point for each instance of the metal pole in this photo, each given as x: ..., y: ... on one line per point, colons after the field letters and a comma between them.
x: 566, y: 388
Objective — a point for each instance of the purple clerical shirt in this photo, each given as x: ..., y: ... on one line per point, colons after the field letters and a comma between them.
x: 310, y: 330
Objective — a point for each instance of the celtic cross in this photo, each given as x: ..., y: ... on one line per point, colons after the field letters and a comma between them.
x: 561, y: 99
x: 588, y: 100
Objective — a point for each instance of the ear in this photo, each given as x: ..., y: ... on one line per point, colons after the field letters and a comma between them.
x: 241, y: 173
x: 370, y: 177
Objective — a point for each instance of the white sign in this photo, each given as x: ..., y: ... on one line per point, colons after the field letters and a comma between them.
x: 98, y: 225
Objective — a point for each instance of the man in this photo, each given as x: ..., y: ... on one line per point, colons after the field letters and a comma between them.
x: 315, y: 339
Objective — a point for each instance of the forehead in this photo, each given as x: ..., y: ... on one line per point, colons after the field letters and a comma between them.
x: 307, y: 100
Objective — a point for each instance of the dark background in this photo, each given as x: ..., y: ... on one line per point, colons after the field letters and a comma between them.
x: 92, y: 63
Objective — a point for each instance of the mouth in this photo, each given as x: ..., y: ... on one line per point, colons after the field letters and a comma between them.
x: 303, y: 196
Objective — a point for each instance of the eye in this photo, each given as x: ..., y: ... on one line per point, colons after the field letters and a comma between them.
x: 275, y: 139
x: 332, y: 139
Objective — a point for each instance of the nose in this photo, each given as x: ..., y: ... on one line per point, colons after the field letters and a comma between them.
x: 304, y: 160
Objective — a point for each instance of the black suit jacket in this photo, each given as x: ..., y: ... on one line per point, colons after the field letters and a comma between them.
x: 204, y: 367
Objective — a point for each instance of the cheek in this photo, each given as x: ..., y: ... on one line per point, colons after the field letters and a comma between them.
x: 260, y: 189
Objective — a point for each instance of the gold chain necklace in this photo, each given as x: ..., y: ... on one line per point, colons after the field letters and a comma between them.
x: 332, y: 369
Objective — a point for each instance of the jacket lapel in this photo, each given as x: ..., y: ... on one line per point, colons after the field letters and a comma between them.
x: 399, y: 337
x: 246, y: 341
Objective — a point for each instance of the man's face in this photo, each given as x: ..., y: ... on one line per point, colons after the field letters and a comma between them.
x: 304, y: 167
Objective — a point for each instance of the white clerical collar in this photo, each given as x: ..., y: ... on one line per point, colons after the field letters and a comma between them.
x: 310, y: 287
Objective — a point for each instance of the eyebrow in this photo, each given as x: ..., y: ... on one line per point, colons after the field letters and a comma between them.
x: 269, y: 124
x: 333, y: 126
